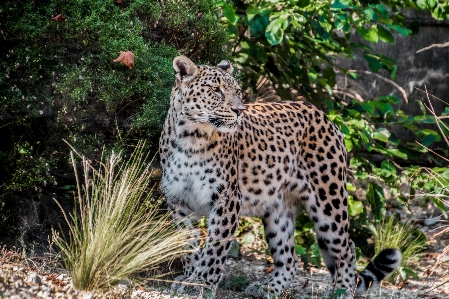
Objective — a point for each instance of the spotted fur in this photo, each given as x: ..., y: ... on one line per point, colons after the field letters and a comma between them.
x: 223, y: 160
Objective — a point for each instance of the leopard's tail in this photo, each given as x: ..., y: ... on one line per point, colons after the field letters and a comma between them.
x: 383, y: 265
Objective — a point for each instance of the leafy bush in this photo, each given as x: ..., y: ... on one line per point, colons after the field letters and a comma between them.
x: 116, y: 229
x: 58, y: 80
x: 295, y: 43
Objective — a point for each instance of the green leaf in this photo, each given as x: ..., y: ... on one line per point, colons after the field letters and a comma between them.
x: 432, y: 3
x: 369, y: 12
x: 257, y: 26
x: 339, y: 292
x: 438, y: 13
x: 410, y: 273
x: 350, y: 187
x: 382, y: 10
x: 299, y: 249
x: 399, y: 29
x: 428, y: 140
x: 368, y: 107
x: 439, y: 204
x: 428, y: 136
x: 388, y: 166
x: 298, y: 20
x: 402, y: 273
x: 374, y: 62
x: 348, y: 144
x: 376, y: 199
x: 368, y: 34
x: 354, y: 207
x: 397, y: 153
x: 385, y: 108
x: 422, y: 107
x: 275, y: 31
x: 312, y: 76
x: 229, y: 13
x: 235, y: 248
x: 307, y: 226
x: 422, y: 4
x: 253, y: 11
x: 341, y: 3
x: 382, y: 134
x: 384, y: 34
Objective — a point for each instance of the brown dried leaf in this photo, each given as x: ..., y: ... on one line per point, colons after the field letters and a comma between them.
x: 118, y: 1
x: 127, y: 58
x: 58, y: 18
x: 269, y: 269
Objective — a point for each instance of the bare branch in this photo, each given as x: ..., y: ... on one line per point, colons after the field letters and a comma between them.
x: 404, y: 94
x: 433, y: 46
x: 349, y: 93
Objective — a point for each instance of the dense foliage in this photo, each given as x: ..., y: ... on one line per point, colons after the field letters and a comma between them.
x: 58, y: 80
x: 296, y: 43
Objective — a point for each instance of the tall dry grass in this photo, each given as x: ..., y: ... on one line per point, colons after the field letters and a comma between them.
x: 116, y: 229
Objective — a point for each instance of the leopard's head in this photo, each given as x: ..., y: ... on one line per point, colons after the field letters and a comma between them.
x: 206, y: 95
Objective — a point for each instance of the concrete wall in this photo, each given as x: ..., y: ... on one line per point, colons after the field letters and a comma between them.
x: 430, y: 67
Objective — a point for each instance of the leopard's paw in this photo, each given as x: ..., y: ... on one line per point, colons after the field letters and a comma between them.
x: 260, y: 290
x: 177, y: 283
x: 185, y: 286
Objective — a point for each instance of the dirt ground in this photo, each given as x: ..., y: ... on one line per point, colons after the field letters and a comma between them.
x: 38, y: 277
x: 35, y: 278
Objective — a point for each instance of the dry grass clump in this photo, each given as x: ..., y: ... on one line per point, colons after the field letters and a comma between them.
x: 116, y: 229
x: 403, y: 236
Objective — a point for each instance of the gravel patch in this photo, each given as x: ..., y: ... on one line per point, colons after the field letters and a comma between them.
x: 19, y: 281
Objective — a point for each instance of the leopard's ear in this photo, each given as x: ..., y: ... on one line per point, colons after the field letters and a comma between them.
x: 185, y: 69
x: 226, y: 66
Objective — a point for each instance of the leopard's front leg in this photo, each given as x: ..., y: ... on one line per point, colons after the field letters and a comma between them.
x: 185, y: 219
x: 207, y: 266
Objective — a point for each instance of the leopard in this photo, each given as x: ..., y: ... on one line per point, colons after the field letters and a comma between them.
x: 223, y: 159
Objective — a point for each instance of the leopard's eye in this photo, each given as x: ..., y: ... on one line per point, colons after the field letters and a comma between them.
x: 216, y: 89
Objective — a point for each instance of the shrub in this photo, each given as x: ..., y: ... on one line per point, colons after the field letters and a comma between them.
x: 57, y: 80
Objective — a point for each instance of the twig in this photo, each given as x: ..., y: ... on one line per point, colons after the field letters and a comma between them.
x: 433, y: 46
x: 432, y: 96
x: 404, y: 94
x: 444, y: 158
x: 354, y: 95
x: 433, y: 113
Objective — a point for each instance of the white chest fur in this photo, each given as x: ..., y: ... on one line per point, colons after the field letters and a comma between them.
x: 185, y: 180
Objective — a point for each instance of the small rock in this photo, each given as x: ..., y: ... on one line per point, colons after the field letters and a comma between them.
x: 34, y: 278
x: 46, y: 289
x: 18, y: 283
x: 43, y: 295
x: 431, y: 221
x: 61, y: 276
x: 86, y: 295
x: 124, y: 285
x: 62, y: 271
